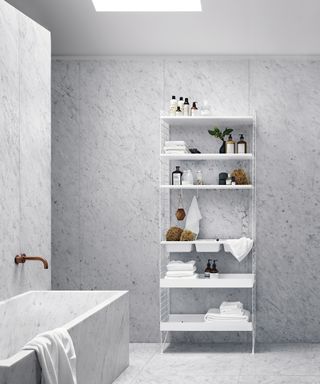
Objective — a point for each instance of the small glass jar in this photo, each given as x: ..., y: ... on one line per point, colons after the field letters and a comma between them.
x: 187, y: 177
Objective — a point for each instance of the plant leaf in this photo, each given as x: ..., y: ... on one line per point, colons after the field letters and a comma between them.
x: 216, y: 133
x: 227, y: 132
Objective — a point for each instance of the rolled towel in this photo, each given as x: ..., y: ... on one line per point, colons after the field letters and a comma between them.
x: 239, y: 248
x: 194, y: 276
x: 177, y: 265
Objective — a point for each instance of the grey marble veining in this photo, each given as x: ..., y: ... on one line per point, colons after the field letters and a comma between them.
x: 25, y: 173
x: 98, y: 323
x: 116, y: 103
x: 223, y: 364
x: 65, y: 176
x: 9, y: 146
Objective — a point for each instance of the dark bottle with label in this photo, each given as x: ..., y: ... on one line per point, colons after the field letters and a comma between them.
x: 207, y: 271
x: 214, y: 267
x: 177, y: 176
x: 242, y: 145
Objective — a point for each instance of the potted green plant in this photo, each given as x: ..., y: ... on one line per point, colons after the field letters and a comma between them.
x: 216, y: 132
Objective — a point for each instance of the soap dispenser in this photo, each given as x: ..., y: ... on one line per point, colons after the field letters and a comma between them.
x: 230, y: 145
x: 214, y: 273
x: 207, y: 271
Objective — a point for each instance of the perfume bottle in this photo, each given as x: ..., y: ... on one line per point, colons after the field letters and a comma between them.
x: 207, y: 271
x: 242, y: 145
x: 214, y: 273
x: 177, y: 176
x: 230, y: 145
x: 194, y: 109
x: 186, y: 107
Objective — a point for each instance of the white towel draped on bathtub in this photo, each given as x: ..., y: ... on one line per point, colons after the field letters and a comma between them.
x: 56, y: 355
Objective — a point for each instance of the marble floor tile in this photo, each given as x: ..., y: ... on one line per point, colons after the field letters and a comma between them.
x: 223, y: 364
x: 140, y: 355
x: 279, y: 380
x: 283, y: 360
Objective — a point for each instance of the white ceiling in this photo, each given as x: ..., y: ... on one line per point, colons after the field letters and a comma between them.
x: 224, y: 27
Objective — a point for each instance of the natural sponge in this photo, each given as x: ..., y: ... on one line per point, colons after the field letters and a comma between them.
x: 173, y: 234
x: 240, y: 177
x: 187, y: 236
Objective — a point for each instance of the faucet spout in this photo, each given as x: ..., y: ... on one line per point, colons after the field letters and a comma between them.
x: 21, y: 259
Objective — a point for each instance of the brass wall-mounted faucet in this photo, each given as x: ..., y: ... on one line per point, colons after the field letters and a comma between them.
x: 21, y: 259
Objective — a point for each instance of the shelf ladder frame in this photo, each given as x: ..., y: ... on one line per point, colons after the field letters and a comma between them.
x: 164, y: 222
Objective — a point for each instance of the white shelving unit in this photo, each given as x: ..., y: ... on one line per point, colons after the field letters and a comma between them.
x: 170, y: 322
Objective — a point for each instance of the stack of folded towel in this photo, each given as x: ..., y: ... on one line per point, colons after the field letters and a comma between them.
x: 175, y: 147
x: 180, y: 269
x: 232, y: 310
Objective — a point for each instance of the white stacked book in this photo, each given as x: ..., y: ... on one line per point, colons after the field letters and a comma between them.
x: 175, y: 147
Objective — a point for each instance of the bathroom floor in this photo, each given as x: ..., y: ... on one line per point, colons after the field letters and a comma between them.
x: 223, y: 364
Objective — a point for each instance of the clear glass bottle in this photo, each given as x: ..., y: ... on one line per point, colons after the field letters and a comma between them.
x: 229, y: 179
x: 177, y: 176
x: 199, y: 178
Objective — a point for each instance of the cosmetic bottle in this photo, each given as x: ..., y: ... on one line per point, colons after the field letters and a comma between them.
x: 223, y: 178
x: 230, y: 145
x: 187, y: 178
x: 194, y: 109
x: 178, y: 111
x: 186, y: 107
x: 180, y: 104
x: 229, y: 180
x: 214, y: 273
x: 177, y: 176
x: 242, y: 145
x: 233, y: 180
x: 173, y: 106
x: 207, y: 271
x: 199, y: 178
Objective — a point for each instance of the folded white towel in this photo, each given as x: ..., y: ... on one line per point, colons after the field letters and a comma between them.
x: 214, y: 314
x: 175, y: 143
x: 181, y: 273
x: 194, y: 276
x: 239, y: 248
x: 177, y: 265
x: 56, y: 355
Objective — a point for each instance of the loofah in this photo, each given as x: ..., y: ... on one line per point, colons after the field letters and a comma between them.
x: 173, y: 234
x: 240, y: 176
x: 187, y: 236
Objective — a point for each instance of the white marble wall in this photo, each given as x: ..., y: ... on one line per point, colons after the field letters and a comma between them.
x: 105, y: 184
x: 25, y: 147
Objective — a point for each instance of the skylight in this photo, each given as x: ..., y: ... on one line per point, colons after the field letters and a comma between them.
x: 147, y: 5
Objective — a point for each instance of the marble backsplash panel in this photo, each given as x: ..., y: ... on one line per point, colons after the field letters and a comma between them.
x: 25, y: 147
x: 105, y: 185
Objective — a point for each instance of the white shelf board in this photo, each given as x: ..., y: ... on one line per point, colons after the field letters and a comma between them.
x: 219, y: 187
x: 208, y: 121
x: 225, y: 280
x: 196, y: 322
x: 207, y: 156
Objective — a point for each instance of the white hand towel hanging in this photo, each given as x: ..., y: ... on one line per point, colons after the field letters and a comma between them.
x: 193, y: 217
x: 239, y: 248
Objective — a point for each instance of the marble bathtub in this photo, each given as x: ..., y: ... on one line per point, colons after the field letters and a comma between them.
x: 98, y: 322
